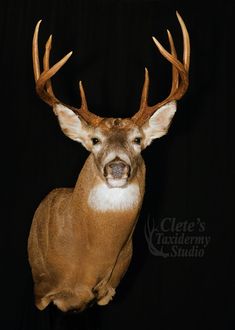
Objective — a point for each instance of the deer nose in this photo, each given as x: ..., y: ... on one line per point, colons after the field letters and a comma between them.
x: 117, y: 170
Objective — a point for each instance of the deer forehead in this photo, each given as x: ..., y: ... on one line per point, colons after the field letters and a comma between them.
x: 117, y: 128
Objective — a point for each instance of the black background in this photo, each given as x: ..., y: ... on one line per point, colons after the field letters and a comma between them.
x: 189, y: 172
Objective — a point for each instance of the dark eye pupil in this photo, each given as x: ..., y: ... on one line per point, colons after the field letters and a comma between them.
x: 95, y: 141
x: 137, y: 140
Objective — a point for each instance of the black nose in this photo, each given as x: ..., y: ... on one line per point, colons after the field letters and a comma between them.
x: 117, y: 169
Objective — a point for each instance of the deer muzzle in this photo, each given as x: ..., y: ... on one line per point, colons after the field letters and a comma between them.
x: 117, y: 173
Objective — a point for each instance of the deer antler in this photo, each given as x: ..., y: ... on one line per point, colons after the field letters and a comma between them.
x: 180, y: 80
x: 43, y: 80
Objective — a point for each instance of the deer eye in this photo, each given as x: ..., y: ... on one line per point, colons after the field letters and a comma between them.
x: 137, y: 140
x: 95, y: 140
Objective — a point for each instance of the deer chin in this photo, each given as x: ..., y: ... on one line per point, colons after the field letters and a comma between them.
x: 117, y: 183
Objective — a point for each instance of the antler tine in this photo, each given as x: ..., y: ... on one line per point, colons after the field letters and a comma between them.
x: 36, y: 64
x: 88, y: 116
x: 175, y: 73
x: 179, y: 72
x: 83, y: 97
x: 186, y: 41
x: 46, y: 64
x: 144, y: 96
x: 43, y: 80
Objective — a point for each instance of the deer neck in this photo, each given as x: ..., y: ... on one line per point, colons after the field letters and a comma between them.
x: 94, y: 201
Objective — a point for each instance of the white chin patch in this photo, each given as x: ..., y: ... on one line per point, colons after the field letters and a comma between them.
x: 114, y: 183
x: 105, y: 197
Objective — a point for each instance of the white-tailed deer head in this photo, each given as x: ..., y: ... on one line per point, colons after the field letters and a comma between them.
x: 115, y: 143
x: 80, y: 242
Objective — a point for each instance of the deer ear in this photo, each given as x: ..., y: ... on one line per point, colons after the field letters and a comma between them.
x: 73, y: 126
x: 159, y: 123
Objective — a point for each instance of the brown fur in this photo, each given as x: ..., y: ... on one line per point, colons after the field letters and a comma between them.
x: 77, y: 254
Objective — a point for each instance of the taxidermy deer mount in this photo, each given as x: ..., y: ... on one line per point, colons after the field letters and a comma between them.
x: 80, y: 242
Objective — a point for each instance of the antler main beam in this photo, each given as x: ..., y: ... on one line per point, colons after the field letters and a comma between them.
x: 43, y: 80
x: 180, y: 72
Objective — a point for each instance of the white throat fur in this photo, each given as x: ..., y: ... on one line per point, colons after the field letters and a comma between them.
x: 104, y: 198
